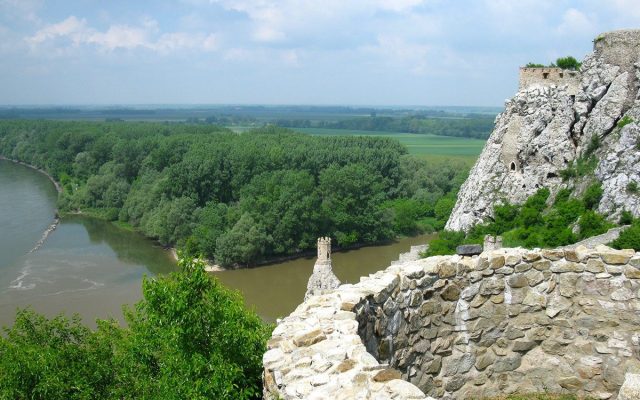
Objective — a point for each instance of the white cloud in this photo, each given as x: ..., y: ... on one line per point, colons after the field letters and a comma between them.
x: 124, y: 37
x: 575, y: 22
x: 394, y: 50
x: 73, y: 28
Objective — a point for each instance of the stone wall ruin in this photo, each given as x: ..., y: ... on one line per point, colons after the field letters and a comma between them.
x: 452, y: 327
x: 547, y: 76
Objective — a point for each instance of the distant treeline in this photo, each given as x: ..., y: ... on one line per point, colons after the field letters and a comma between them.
x: 478, y: 126
x: 450, y: 121
x: 237, y: 198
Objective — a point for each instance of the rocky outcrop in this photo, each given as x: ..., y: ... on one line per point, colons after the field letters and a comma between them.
x: 509, y: 320
x: 545, y: 128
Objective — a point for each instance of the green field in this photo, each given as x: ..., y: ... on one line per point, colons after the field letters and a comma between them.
x: 428, y: 146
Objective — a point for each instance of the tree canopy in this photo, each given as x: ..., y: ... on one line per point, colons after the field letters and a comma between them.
x: 237, y: 198
x: 188, y: 338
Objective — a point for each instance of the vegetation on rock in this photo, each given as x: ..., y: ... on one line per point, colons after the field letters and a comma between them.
x: 535, y: 223
x: 189, y: 338
x: 568, y: 62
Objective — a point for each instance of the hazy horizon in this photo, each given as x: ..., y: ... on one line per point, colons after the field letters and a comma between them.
x: 405, y: 53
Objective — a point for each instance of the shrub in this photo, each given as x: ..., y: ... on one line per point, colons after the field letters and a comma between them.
x: 626, y: 218
x: 594, y: 144
x: 592, y: 224
x: 534, y: 65
x: 629, y: 238
x: 626, y: 120
x: 632, y: 187
x: 592, y: 196
x: 568, y: 62
x: 446, y: 243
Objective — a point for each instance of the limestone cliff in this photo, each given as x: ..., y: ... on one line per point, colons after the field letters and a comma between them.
x: 547, y: 126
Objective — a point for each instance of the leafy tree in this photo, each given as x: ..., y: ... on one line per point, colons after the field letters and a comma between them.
x: 188, y: 338
x: 244, y: 243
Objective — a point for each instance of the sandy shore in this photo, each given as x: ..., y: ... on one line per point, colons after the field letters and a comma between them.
x: 208, y: 266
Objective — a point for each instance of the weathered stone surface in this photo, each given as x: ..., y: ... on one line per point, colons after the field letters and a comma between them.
x: 616, y: 257
x: 386, y: 375
x: 508, y: 363
x: 458, y: 338
x: 451, y: 293
x: 630, y: 389
x: 446, y: 270
x: 309, y: 338
x: 557, y: 304
x: 469, y: 249
x: 518, y: 281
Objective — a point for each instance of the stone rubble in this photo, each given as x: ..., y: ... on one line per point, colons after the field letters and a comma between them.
x: 536, y: 320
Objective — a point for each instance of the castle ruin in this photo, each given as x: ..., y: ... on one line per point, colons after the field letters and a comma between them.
x: 547, y: 76
x: 322, y: 279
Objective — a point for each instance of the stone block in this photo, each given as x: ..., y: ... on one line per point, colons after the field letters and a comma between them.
x: 446, y: 270
x: 469, y: 249
x: 507, y: 363
x: 615, y: 257
x: 451, y: 293
x: 308, y: 338
x: 566, y: 266
x: 553, y: 254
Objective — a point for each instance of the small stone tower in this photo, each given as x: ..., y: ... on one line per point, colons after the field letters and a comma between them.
x: 324, y: 249
x: 323, y: 279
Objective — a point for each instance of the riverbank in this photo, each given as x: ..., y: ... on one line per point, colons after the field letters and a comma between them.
x: 56, y: 218
x: 55, y: 183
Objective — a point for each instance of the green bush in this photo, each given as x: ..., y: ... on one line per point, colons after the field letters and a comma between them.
x: 629, y: 238
x: 446, y: 243
x: 189, y: 338
x: 626, y: 218
x: 568, y: 62
x: 632, y: 187
x: 592, y: 196
x: 592, y: 224
x: 624, y: 121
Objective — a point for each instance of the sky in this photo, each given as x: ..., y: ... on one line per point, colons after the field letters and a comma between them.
x: 312, y: 52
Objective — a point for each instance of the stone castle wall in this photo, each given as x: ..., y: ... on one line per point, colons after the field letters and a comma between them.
x: 548, y: 77
x: 510, y: 320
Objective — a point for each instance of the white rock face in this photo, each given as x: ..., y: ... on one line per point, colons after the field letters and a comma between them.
x: 630, y: 389
x: 543, y: 129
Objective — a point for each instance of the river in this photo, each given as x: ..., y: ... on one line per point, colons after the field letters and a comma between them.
x: 91, y: 267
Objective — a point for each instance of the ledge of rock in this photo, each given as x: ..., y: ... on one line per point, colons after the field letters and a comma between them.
x: 467, y: 327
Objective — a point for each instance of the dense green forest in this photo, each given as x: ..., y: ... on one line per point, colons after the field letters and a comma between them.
x: 472, y: 126
x: 188, y: 338
x: 237, y: 198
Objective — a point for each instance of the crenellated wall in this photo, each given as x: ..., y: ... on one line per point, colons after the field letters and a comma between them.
x: 510, y: 320
x: 547, y: 76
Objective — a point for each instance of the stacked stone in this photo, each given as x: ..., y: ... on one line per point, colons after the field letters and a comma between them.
x: 509, y: 320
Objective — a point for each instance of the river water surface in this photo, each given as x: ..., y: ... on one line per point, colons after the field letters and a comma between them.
x: 92, y: 267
